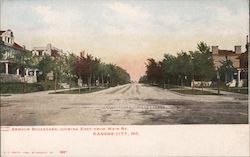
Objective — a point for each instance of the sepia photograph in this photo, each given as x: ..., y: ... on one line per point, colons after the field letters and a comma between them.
x: 132, y: 63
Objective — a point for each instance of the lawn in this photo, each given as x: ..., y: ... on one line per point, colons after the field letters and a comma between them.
x: 82, y: 91
x: 18, y: 87
x: 241, y: 90
x: 194, y: 92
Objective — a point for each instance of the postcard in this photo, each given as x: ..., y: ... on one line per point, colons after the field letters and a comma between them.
x: 124, y: 78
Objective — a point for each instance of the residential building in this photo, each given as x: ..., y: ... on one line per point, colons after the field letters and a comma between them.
x: 47, y: 50
x: 237, y: 57
x: 9, y: 50
x: 222, y: 55
x: 50, y: 51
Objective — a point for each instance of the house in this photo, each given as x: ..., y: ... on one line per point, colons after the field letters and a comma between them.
x: 237, y: 57
x: 244, y: 58
x: 11, y: 71
x: 48, y: 50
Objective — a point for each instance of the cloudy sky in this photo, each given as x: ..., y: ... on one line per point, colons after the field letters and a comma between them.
x: 126, y: 32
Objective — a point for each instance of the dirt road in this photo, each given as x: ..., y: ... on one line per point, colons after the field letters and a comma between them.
x: 126, y: 104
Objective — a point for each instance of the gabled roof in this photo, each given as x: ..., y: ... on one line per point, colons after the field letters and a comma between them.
x: 1, y: 32
x: 225, y: 52
x: 15, y: 45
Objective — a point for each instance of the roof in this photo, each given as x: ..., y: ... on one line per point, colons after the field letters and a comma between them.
x: 226, y: 53
x: 15, y: 45
x: 1, y: 32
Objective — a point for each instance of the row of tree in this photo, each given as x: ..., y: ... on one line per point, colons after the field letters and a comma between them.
x: 185, y: 67
x: 92, y: 71
x: 69, y: 68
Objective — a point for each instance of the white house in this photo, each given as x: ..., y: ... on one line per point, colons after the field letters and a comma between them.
x: 11, y: 72
x: 48, y: 50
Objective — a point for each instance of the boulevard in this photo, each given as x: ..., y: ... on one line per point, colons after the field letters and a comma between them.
x: 130, y: 104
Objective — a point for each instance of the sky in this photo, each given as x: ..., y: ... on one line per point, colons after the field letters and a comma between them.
x: 127, y: 32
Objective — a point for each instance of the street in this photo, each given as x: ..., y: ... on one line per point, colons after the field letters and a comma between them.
x: 131, y: 104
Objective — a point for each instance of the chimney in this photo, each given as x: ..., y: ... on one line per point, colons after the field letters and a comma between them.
x: 237, y: 49
x: 82, y: 53
x: 48, y: 49
x: 215, y: 49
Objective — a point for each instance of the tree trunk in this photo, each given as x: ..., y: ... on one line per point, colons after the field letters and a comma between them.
x: 23, y: 84
x: 70, y: 83
x: 45, y: 85
x: 98, y: 80
x: 89, y: 82
x: 102, y: 81
x: 202, y: 86
x: 60, y: 82
x: 94, y: 80
x: 55, y: 81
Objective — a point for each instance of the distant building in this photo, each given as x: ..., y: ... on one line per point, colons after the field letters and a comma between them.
x: 10, y: 49
x: 48, y: 50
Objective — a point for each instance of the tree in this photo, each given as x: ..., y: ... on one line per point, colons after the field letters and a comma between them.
x: 183, y: 67
x: 70, y: 61
x: 88, y: 67
x: 168, y: 67
x: 196, y: 65
x: 143, y: 79
x: 154, y: 72
x: 45, y: 66
x: 227, y: 71
x: 202, y: 62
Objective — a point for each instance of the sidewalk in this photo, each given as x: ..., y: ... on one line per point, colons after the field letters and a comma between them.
x: 41, y: 92
x: 225, y: 93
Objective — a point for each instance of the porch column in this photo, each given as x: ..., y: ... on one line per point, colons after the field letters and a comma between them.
x: 239, y: 78
x: 27, y: 72
x: 17, y: 71
x: 6, y: 68
x: 35, y: 73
